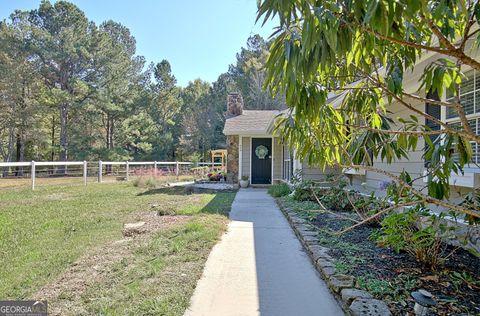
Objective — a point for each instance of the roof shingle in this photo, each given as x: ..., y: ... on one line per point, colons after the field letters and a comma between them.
x: 254, y: 122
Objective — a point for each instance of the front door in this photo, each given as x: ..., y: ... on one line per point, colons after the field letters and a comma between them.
x: 261, y: 161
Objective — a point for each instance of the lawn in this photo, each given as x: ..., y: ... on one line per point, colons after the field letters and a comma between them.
x: 44, y: 233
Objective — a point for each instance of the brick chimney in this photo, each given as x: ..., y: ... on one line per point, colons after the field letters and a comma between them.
x: 234, y: 104
x: 234, y: 108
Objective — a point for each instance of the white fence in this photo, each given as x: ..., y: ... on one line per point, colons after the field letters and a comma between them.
x: 84, y: 169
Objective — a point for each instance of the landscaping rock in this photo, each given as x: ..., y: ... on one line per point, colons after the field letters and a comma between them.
x: 323, y: 263
x: 214, y: 186
x: 370, y: 307
x: 318, y: 251
x: 297, y: 221
x: 307, y: 233
x: 349, y: 295
x: 328, y: 271
x: 310, y: 240
x: 340, y: 281
x: 306, y: 227
x: 131, y: 229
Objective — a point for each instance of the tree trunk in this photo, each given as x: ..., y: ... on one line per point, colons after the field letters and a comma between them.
x: 20, y: 152
x: 10, y: 149
x: 63, y: 136
x: 108, y: 168
x: 111, y: 133
x: 53, y: 138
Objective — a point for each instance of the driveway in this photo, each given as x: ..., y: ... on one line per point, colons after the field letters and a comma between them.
x: 260, y: 268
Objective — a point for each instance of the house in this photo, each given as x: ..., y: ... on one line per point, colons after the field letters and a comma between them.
x: 256, y: 151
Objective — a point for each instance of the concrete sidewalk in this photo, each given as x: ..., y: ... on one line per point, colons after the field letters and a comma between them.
x: 259, y: 267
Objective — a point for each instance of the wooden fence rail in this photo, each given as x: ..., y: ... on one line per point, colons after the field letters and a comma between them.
x: 156, y: 164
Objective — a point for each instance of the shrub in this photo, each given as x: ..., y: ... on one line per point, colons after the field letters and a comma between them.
x: 142, y: 182
x: 279, y: 190
x: 367, y: 206
x: 335, y: 198
x: 151, y: 183
x: 138, y: 182
x: 402, y: 232
x: 303, y: 190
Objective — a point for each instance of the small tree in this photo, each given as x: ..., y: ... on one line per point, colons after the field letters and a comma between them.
x: 364, y: 49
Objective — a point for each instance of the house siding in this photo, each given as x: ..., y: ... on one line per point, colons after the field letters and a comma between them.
x: 315, y: 173
x: 414, y: 165
x: 246, y: 152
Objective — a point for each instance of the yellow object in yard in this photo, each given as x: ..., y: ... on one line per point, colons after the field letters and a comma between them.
x: 219, y: 154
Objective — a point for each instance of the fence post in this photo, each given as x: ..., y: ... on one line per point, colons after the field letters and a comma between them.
x: 128, y: 171
x: 176, y: 169
x: 85, y: 172
x: 100, y: 167
x: 155, y: 168
x: 33, y: 175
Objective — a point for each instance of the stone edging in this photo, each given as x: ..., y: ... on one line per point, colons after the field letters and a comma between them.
x: 353, y: 301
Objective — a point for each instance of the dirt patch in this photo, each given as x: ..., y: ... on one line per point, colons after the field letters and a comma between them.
x: 64, y: 294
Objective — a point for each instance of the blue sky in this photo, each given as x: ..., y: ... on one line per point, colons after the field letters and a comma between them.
x: 199, y: 38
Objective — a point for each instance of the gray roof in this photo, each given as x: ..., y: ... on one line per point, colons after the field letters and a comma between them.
x: 250, y: 122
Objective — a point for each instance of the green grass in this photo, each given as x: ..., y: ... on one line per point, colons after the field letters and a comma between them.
x: 43, y: 232
x: 160, y: 278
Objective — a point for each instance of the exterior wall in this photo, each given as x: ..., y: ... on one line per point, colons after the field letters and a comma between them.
x: 315, y: 173
x: 246, y: 156
x: 414, y: 165
x: 232, y: 158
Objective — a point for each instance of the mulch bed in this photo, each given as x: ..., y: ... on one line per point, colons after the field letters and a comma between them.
x: 391, y: 277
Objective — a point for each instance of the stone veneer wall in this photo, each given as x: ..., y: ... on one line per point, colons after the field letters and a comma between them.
x: 232, y: 158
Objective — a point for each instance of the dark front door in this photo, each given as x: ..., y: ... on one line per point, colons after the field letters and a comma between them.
x: 261, y: 161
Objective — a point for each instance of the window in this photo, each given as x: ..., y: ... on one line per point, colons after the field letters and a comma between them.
x: 287, y: 163
x: 469, y: 92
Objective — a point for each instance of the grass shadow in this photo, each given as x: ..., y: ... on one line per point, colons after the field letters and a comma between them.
x: 221, y: 204
x: 176, y: 190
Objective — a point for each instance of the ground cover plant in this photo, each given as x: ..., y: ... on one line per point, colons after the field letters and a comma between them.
x: 66, y: 244
x: 388, y: 274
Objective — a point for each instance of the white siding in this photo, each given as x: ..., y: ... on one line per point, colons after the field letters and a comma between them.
x: 316, y: 173
x: 246, y: 150
x: 414, y: 165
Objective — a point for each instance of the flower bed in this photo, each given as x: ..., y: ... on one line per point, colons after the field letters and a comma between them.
x: 388, y: 275
x: 217, y: 176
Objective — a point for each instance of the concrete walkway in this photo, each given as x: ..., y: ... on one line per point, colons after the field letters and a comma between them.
x: 259, y: 267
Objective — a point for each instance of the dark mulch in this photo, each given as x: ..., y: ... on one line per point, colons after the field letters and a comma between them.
x: 392, y: 277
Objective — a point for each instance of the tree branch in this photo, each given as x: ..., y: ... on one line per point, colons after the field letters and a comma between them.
x: 423, y: 196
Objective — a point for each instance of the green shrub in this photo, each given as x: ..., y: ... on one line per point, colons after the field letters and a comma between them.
x: 367, y: 206
x: 402, y: 232
x: 151, y: 183
x: 279, y: 190
x: 138, y: 182
x: 303, y: 190
x: 141, y: 182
